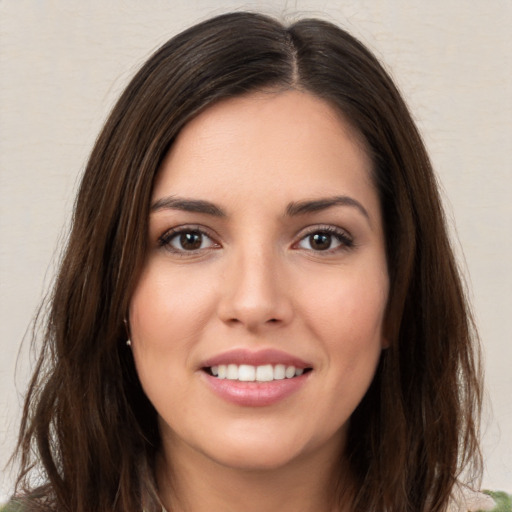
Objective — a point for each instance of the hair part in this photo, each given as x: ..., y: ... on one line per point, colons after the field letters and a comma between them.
x: 88, y: 425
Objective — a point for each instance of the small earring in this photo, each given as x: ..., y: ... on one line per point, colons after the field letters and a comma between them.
x: 129, y: 343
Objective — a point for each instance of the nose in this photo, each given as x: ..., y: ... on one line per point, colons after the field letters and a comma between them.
x: 254, y: 292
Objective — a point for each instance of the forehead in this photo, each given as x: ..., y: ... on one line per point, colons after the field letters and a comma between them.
x: 285, y: 142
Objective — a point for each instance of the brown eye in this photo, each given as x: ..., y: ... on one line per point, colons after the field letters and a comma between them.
x: 320, y: 241
x: 327, y: 240
x: 186, y: 241
x: 190, y: 241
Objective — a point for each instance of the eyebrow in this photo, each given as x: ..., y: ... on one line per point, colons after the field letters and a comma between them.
x: 293, y: 209
x: 187, y: 205
x: 315, y: 205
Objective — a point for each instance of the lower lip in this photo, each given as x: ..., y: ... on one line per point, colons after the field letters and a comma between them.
x: 255, y: 394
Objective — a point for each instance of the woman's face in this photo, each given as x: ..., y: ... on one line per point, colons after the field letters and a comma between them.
x: 257, y: 321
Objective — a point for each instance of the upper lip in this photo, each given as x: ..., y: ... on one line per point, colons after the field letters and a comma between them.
x: 255, y: 358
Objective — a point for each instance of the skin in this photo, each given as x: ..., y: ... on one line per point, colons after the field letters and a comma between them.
x: 259, y: 281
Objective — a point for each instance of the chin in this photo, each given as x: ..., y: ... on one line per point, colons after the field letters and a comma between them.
x: 266, y: 450
x: 255, y: 459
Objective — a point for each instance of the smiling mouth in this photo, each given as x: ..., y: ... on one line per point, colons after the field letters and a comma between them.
x: 250, y: 373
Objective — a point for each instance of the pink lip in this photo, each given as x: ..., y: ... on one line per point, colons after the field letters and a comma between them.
x: 260, y: 357
x: 254, y: 394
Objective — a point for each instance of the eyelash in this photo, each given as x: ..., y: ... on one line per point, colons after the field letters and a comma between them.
x: 346, y: 242
x: 166, y: 239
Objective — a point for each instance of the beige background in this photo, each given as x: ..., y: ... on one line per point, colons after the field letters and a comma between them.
x: 63, y: 63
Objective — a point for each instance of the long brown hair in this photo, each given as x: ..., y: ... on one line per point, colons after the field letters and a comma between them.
x: 89, y: 431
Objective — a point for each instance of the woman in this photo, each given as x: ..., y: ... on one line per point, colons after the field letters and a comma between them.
x: 259, y: 308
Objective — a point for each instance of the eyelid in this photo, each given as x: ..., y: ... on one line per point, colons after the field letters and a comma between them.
x: 164, y: 240
x: 345, y: 238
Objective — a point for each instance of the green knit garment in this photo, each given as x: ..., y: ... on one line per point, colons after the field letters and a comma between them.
x: 503, y: 503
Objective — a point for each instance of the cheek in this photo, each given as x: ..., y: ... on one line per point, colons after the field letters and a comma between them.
x: 347, y: 315
x: 348, y: 307
x: 354, y: 341
x: 169, y: 306
x: 167, y: 317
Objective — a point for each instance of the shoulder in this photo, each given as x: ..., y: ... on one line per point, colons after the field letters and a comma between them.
x: 12, y: 506
x: 502, y: 500
x: 485, y: 501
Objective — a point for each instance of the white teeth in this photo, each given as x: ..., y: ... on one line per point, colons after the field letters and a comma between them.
x: 232, y: 372
x: 246, y: 373
x: 279, y: 371
x: 265, y: 373
x: 289, y: 372
x: 249, y: 373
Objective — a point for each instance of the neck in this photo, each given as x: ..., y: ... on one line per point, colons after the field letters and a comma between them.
x: 195, y: 483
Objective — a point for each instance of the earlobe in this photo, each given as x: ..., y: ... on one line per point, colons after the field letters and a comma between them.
x: 127, y: 329
x: 387, y: 333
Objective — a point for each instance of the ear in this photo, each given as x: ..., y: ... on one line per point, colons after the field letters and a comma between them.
x: 388, y: 330
x: 126, y: 327
x: 384, y: 340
